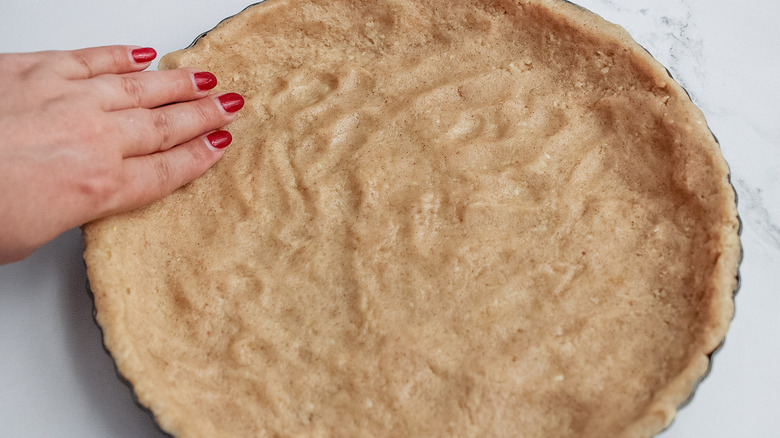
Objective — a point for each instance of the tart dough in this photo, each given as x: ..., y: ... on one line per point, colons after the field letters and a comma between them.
x: 438, y: 218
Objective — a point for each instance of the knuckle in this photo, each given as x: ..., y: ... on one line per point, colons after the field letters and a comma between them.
x: 81, y: 59
x: 100, y: 186
x: 164, y: 173
x: 133, y: 88
x: 196, y: 156
x: 204, y: 115
x: 163, y: 126
x: 193, y: 164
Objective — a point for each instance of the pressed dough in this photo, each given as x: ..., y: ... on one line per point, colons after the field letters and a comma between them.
x: 438, y: 218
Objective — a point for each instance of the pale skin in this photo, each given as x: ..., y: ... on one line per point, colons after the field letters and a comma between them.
x: 88, y: 133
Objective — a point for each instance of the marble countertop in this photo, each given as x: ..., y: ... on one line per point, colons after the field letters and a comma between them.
x: 56, y: 380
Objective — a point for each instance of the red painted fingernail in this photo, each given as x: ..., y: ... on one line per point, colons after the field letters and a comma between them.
x: 219, y: 139
x: 232, y: 102
x: 205, y: 80
x: 144, y: 55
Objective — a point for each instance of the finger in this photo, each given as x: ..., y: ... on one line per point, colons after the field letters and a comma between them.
x: 146, y: 131
x: 95, y: 61
x: 152, y: 177
x: 150, y: 89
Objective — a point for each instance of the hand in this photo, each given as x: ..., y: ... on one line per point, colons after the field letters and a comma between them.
x: 88, y: 133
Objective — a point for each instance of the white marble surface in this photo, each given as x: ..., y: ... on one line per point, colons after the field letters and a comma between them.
x: 55, y: 379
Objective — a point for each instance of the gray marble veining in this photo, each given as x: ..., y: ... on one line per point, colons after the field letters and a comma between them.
x: 671, y: 31
x: 723, y: 54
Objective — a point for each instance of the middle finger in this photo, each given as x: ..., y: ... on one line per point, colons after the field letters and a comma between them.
x: 146, y: 131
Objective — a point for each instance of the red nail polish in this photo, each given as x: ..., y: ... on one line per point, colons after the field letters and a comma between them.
x: 205, y: 80
x: 219, y: 139
x: 232, y: 102
x: 144, y: 55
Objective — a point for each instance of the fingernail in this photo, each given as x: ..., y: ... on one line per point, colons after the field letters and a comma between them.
x: 144, y: 55
x: 205, y: 80
x: 219, y: 139
x: 232, y: 102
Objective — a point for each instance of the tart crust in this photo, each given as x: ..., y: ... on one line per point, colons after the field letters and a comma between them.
x: 461, y: 218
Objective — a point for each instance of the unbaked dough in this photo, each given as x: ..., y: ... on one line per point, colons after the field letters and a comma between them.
x: 438, y: 218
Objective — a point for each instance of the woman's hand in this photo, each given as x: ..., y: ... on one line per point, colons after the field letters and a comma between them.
x: 88, y: 133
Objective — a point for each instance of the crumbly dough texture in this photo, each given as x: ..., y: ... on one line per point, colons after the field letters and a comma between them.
x: 438, y: 218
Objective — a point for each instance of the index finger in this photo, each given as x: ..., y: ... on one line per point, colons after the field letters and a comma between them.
x: 95, y: 61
